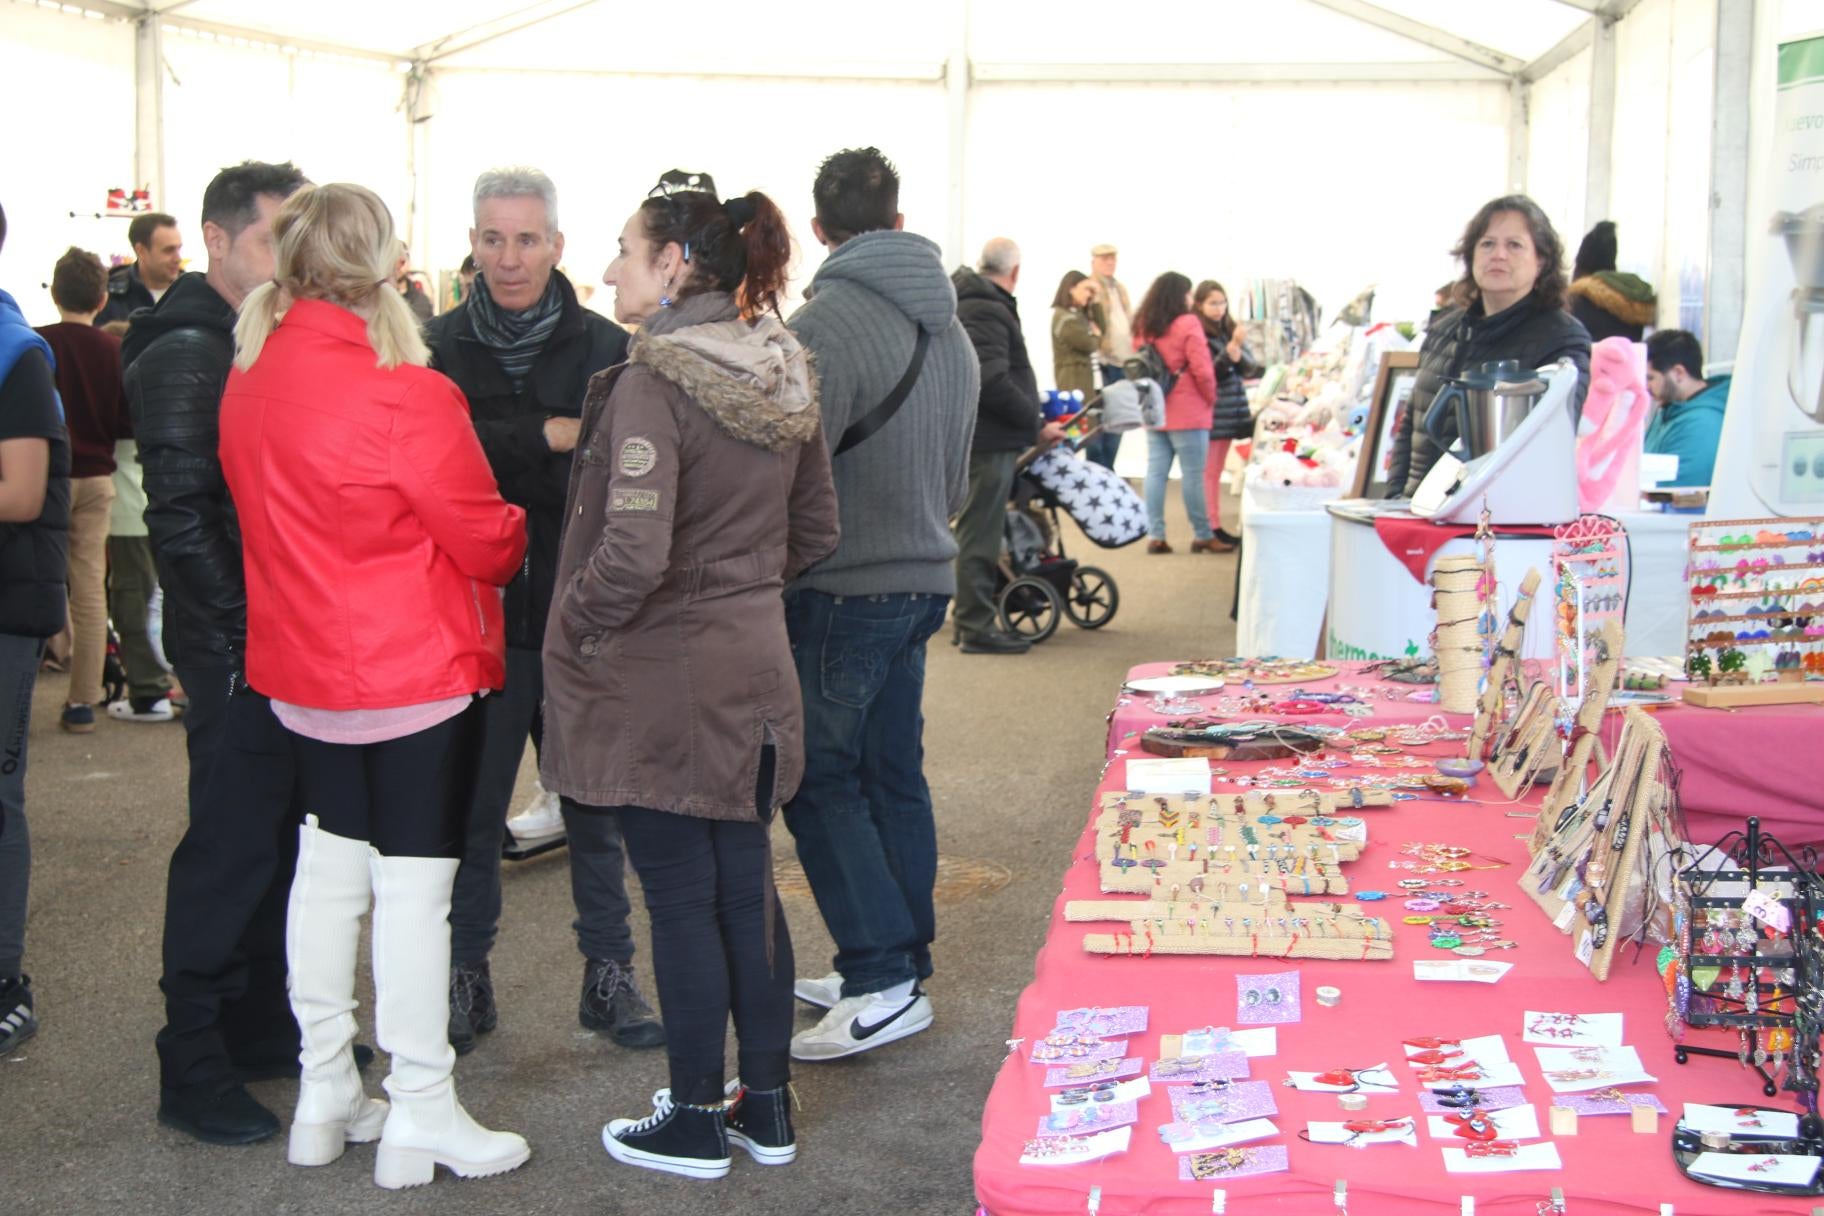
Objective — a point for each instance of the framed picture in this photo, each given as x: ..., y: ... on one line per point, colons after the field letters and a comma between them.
x: 1392, y: 390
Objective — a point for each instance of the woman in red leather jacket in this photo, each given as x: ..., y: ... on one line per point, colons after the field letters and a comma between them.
x: 375, y: 543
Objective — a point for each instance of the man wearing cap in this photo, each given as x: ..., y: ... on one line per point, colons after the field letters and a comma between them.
x: 1115, y: 314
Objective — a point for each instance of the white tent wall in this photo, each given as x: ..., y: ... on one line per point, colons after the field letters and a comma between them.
x: 1557, y: 159
x: 78, y: 75
x: 1321, y: 183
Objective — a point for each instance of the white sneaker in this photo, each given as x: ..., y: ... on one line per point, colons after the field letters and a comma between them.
x: 540, y: 819
x: 149, y: 711
x: 822, y: 993
x: 861, y: 1023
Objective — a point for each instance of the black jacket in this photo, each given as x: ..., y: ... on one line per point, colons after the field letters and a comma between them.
x: 126, y: 295
x: 34, y: 555
x: 1232, y: 418
x: 177, y: 357
x: 1462, y: 339
x: 1008, y: 420
x: 511, y: 426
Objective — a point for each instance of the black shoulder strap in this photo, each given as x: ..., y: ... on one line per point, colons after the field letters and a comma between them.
x: 879, y: 416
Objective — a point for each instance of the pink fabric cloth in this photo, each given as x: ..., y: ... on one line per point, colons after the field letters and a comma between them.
x: 1381, y: 1004
x: 1212, y: 480
x: 357, y: 726
x: 1191, y: 404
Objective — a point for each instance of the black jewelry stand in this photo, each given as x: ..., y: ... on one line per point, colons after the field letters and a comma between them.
x: 1791, y: 1001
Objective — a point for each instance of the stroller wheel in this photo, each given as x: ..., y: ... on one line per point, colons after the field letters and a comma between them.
x: 1031, y: 608
x: 1093, y: 597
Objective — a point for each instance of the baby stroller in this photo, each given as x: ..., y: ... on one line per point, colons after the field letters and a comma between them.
x: 1036, y: 583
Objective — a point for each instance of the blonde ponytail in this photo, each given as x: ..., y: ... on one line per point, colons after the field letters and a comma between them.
x: 259, y: 314
x: 335, y: 243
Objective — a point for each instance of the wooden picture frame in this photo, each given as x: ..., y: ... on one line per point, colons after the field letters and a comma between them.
x: 1392, y: 390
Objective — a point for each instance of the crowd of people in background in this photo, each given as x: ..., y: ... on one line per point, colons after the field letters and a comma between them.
x: 698, y: 576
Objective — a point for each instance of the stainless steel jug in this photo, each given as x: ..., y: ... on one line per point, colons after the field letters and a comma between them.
x: 1491, y: 402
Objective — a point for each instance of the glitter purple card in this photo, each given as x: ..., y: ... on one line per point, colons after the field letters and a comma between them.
x: 1219, y: 1066
x: 1592, y: 1104
x: 1267, y: 1000
x: 1241, y: 1100
x: 1089, y: 1118
x: 1043, y: 1053
x: 1505, y: 1097
x: 1266, y: 1159
x: 1101, y: 1070
x: 1111, y: 1022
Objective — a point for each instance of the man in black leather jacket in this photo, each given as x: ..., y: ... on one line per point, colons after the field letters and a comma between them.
x: 228, y: 1018
x: 522, y: 349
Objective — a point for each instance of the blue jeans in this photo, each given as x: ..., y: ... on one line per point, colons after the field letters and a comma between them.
x: 1192, y: 448
x: 862, y: 817
x: 1101, y: 448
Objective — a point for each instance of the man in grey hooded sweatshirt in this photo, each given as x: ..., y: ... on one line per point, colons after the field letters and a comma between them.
x: 898, y: 383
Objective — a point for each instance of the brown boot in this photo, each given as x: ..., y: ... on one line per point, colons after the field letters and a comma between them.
x: 1211, y: 545
x: 1157, y: 546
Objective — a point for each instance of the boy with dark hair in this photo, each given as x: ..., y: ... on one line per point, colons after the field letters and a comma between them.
x: 34, y: 526
x: 95, y: 411
x: 1689, y: 421
x: 857, y: 191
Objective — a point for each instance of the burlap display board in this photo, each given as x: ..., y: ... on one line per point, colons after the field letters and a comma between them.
x: 1502, y: 670
x: 1586, y: 734
x: 1259, y: 671
x: 1527, y: 749
x: 1592, y: 874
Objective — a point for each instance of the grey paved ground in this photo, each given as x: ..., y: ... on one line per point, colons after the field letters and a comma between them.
x: 1013, y: 747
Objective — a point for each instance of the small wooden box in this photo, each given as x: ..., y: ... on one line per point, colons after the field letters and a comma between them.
x: 1564, y: 1121
x: 1645, y: 1119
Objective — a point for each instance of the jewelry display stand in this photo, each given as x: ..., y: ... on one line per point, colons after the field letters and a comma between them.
x: 1595, y: 874
x: 1256, y: 671
x: 1754, y: 633
x: 1504, y: 665
x: 1527, y: 750
x: 1586, y: 735
x: 1729, y: 920
x: 1590, y: 561
x: 1238, y: 741
x: 1190, y: 848
x: 1301, y: 930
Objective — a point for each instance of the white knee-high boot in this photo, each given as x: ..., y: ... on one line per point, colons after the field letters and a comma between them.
x: 322, y: 933
x: 426, y: 1126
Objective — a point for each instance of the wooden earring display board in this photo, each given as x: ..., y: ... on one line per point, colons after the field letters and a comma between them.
x: 1749, y: 639
x: 1505, y: 665
x: 1527, y: 748
x: 1593, y: 876
x: 1301, y: 930
x: 1586, y: 736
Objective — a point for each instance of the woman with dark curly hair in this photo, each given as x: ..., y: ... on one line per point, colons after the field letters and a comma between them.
x: 1514, y: 284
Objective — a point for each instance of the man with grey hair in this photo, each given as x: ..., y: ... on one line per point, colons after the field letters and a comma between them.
x: 522, y: 349
x: 1007, y: 422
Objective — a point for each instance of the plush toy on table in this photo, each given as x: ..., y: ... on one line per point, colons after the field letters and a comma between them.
x: 1614, y: 425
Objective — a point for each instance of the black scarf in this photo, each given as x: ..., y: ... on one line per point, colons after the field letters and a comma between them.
x: 516, y: 338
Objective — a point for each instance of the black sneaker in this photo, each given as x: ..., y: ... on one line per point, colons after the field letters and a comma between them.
x: 472, y: 1009
x: 18, y: 1022
x: 217, y: 1113
x: 612, y: 1005
x: 680, y: 1139
x: 1226, y: 537
x: 760, y: 1121
x: 994, y: 641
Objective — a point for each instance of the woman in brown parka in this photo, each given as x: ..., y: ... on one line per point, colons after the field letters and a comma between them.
x: 701, y: 486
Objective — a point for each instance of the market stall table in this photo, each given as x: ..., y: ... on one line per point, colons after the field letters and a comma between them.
x: 1381, y: 1004
x: 1285, y: 567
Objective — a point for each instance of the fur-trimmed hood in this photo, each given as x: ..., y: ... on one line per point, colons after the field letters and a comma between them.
x: 1627, y: 297
x: 753, y: 379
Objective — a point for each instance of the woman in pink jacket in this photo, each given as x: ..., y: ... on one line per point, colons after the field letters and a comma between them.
x: 1166, y: 322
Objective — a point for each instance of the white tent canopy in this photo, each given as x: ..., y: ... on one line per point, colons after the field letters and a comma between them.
x: 1335, y: 141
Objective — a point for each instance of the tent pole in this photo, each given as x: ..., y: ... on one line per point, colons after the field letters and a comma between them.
x: 1519, y: 130
x: 1598, y: 176
x: 956, y: 95
x: 149, y: 107
x: 1725, y: 291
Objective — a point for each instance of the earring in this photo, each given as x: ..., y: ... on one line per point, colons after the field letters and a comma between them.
x: 665, y: 295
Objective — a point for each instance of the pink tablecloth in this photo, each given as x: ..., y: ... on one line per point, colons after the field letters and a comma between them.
x: 1609, y: 1169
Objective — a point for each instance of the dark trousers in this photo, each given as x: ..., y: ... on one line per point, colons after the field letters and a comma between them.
x: 18, y: 674
x: 1101, y: 447
x: 978, y: 538
x: 862, y: 816
x: 707, y: 890
x: 131, y: 581
x: 225, y: 896
x: 598, y: 864
x: 406, y: 797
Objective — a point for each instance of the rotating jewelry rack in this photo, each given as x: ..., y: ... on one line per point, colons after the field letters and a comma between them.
x: 1730, y: 917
